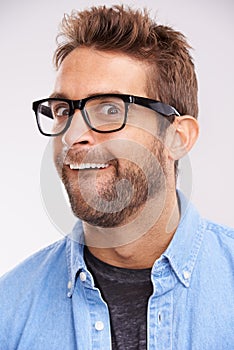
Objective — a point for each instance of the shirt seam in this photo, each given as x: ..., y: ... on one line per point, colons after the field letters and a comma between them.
x: 217, y: 228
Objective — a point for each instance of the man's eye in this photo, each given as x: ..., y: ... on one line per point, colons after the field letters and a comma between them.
x: 109, y: 109
x: 61, y: 111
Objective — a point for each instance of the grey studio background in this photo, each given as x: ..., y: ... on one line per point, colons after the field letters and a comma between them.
x: 28, y: 31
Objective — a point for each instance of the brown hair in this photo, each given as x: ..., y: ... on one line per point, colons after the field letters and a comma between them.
x: 172, y: 77
x: 132, y: 32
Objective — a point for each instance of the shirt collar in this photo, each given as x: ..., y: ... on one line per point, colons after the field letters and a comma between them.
x: 74, y: 254
x: 181, y: 253
x: 183, y: 250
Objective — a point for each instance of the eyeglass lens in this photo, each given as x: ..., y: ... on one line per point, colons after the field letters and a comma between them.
x: 102, y: 113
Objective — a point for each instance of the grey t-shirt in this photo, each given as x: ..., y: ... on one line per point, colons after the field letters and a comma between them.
x: 126, y: 292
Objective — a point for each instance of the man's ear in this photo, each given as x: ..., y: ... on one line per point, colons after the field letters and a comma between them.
x: 183, y: 135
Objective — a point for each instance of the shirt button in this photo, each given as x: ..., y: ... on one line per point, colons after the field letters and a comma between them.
x: 83, y: 276
x: 99, y: 325
x: 69, y: 285
x: 186, y: 274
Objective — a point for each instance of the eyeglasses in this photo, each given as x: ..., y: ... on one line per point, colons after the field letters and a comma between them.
x: 102, y: 113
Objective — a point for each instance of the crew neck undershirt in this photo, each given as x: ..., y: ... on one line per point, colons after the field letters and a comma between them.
x: 126, y: 292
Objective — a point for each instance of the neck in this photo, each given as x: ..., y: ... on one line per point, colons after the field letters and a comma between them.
x: 131, y: 245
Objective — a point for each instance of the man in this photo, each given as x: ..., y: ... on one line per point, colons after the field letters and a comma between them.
x: 141, y: 269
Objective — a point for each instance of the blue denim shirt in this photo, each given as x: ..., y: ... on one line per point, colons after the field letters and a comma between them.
x: 50, y: 302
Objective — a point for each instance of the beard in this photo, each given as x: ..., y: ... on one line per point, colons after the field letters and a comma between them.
x: 111, y: 197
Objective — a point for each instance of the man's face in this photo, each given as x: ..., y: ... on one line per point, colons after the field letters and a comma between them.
x: 123, y: 169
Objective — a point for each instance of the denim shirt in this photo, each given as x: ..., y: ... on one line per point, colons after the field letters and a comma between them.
x: 50, y: 301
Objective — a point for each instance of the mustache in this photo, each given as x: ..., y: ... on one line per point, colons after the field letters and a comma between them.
x: 90, y: 156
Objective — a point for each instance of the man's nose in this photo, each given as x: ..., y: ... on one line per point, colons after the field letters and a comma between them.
x: 78, y: 133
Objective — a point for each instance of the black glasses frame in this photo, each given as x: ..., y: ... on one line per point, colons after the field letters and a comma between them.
x: 163, y: 109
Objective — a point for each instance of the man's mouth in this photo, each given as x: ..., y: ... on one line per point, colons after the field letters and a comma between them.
x: 83, y: 166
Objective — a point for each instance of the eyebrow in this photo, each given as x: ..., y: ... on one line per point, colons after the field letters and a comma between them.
x: 61, y: 95
x: 58, y: 95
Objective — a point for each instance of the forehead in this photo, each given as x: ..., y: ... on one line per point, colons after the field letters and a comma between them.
x: 87, y: 71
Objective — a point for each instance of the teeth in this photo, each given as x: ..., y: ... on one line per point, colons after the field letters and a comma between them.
x: 88, y: 166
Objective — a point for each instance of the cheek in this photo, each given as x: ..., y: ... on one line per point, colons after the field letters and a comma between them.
x: 57, y: 147
x: 58, y: 153
x: 132, y: 133
x: 140, y: 140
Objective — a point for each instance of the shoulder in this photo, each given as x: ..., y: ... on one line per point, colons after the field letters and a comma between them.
x: 217, y: 247
x: 33, y: 269
x: 30, y: 292
x: 221, y: 234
